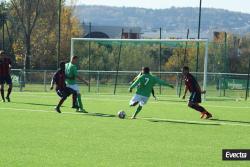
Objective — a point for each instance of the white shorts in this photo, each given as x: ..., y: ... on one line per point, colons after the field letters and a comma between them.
x: 75, y: 87
x: 142, y: 100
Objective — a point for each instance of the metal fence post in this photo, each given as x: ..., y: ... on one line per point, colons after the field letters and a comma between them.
x: 44, y: 80
x: 21, y: 81
x: 97, y: 81
x: 177, y: 84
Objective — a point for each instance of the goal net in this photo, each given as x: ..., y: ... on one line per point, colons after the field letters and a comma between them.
x: 118, y: 57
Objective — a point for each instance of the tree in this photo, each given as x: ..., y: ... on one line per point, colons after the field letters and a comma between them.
x: 27, y: 12
x: 42, y: 35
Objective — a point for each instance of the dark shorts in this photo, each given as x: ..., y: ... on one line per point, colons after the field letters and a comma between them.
x: 195, y: 97
x: 64, y: 93
x: 5, y: 79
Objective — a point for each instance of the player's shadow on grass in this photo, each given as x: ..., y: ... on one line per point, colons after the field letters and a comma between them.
x: 219, y: 99
x: 232, y: 121
x: 36, y: 104
x: 171, y: 100
x: 182, y: 122
x: 101, y: 115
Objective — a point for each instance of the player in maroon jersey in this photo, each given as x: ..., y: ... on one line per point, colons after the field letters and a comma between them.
x: 61, y: 89
x: 195, y: 93
x: 5, y: 65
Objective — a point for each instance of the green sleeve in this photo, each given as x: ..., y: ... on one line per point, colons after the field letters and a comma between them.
x: 161, y: 82
x: 135, y: 83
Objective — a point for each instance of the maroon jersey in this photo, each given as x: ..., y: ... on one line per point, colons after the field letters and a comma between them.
x: 191, y: 83
x: 59, y: 79
x: 5, y: 67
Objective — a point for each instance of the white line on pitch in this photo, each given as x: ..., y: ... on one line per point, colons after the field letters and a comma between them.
x: 153, y: 119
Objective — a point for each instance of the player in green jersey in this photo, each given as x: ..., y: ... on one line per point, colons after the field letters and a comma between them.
x: 71, y: 76
x: 145, y: 84
x: 153, y: 92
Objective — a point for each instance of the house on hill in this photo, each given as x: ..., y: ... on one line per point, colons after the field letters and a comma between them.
x: 111, y: 32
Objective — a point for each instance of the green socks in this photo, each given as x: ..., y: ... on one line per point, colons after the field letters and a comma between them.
x: 79, y: 101
x: 137, y: 111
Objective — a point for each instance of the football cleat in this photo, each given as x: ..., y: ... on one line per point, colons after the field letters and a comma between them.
x: 57, y: 109
x: 8, y: 99
x: 82, y: 110
x: 209, y: 115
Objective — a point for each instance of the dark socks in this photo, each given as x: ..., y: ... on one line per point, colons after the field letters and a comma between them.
x: 153, y: 92
x: 2, y: 94
x: 79, y: 101
x: 60, y: 103
x: 9, y: 92
x: 198, y: 108
x: 74, y: 96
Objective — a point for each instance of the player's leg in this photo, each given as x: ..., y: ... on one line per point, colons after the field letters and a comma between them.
x: 196, y: 107
x: 153, y: 94
x: 79, y: 100
x: 134, y: 101
x: 134, y: 104
x: 139, y: 108
x: 201, y: 109
x: 2, y: 89
x: 57, y: 108
x: 80, y: 104
x: 78, y: 97
x: 74, y: 101
x: 63, y: 96
x: 9, y: 82
x: 74, y: 97
x: 142, y: 101
x: 195, y: 99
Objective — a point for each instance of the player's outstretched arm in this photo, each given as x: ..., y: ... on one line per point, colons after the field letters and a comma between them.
x: 203, y: 92
x: 52, y: 83
x: 83, y: 80
x: 185, y: 92
x: 162, y: 82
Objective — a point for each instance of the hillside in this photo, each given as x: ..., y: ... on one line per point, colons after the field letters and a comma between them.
x: 172, y: 19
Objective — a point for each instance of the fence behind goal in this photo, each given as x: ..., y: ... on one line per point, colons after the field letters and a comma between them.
x: 219, y: 85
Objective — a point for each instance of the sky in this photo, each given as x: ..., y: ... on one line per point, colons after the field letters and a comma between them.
x: 233, y: 5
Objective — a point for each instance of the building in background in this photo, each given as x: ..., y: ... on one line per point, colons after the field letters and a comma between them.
x: 111, y: 32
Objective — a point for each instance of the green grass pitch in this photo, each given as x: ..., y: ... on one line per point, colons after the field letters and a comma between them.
x: 166, y: 133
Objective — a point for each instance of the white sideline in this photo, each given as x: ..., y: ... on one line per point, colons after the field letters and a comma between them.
x: 141, y: 118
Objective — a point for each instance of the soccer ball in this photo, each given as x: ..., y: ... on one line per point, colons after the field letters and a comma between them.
x: 121, y: 114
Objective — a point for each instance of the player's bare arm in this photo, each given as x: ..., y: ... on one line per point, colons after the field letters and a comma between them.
x: 185, y: 92
x: 83, y: 80
x: 203, y: 92
x: 52, y: 84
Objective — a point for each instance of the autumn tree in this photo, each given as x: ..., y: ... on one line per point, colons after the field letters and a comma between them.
x: 42, y: 35
x: 27, y: 12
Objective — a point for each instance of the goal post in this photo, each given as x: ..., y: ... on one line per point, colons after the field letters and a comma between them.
x: 111, y: 44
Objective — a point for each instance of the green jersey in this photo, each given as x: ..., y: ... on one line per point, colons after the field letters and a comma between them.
x: 145, y: 84
x: 71, y: 73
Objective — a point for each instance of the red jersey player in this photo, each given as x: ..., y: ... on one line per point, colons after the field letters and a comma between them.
x: 195, y: 93
x: 5, y: 65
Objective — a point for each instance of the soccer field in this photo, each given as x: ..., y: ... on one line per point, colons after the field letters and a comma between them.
x: 166, y: 133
